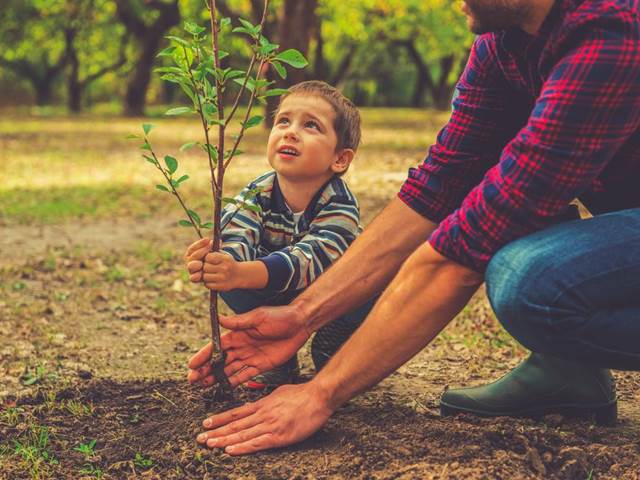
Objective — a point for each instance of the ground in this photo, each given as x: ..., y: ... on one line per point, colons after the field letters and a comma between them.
x: 97, y: 320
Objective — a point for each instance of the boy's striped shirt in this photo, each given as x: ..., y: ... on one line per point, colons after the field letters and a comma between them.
x: 295, y: 253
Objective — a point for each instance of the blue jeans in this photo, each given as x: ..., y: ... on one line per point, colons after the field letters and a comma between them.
x: 327, y: 339
x: 573, y: 290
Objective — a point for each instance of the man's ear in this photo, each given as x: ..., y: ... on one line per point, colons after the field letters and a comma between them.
x: 342, y: 161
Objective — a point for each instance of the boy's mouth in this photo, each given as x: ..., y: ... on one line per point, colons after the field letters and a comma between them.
x: 289, y: 150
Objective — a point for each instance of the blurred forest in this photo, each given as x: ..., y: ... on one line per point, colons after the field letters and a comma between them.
x: 77, y: 54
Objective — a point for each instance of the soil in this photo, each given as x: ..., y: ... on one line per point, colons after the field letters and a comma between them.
x: 93, y: 346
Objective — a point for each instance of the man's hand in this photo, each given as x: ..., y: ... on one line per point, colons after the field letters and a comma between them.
x: 289, y: 415
x: 259, y: 341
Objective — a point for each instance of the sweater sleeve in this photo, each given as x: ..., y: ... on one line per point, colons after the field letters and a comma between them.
x: 330, y: 233
x: 242, y: 226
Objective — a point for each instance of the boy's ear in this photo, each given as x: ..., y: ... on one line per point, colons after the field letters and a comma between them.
x: 342, y: 161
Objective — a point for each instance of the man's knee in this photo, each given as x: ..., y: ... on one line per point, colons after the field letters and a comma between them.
x: 514, y: 290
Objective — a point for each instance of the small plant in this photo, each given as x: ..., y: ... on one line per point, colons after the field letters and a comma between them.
x: 141, y: 462
x: 11, y: 416
x: 33, y: 375
x: 79, y: 409
x: 91, y: 470
x: 198, y: 70
x: 87, y: 449
x: 33, y: 451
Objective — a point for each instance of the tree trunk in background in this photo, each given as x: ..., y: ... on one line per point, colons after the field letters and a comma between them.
x: 74, y: 87
x: 296, y: 27
x: 149, y: 38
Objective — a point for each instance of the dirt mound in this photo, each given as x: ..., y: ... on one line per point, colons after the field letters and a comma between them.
x: 147, y: 429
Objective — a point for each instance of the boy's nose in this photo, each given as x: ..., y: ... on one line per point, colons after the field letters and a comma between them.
x: 290, y: 134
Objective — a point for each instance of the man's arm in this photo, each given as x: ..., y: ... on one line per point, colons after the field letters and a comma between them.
x: 266, y: 337
x: 426, y: 294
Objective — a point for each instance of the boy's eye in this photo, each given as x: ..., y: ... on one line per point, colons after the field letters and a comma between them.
x: 283, y: 120
x: 312, y: 124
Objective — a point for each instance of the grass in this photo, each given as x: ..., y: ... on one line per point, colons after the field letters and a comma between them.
x: 32, y: 450
x: 65, y: 169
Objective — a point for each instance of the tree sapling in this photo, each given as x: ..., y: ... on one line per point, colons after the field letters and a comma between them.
x: 198, y: 69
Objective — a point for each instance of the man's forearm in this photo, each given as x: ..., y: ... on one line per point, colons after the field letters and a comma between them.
x: 367, y: 266
x: 426, y: 294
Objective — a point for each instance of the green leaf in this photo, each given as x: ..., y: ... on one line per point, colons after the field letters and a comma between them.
x: 172, y: 164
x: 146, y: 146
x: 175, y: 70
x: 227, y: 154
x: 274, y: 92
x: 278, y: 67
x: 227, y: 200
x: 163, y: 188
x: 250, y: 85
x: 150, y: 159
x: 267, y: 48
x: 187, y: 146
x: 243, y: 30
x: 195, y: 216
x: 292, y: 57
x: 178, y: 111
x: 147, y: 127
x: 253, y: 208
x: 182, y: 179
x: 225, y: 22
x: 193, y: 28
x: 253, y: 121
x: 167, y: 52
x: 132, y: 136
x: 185, y: 223
x: 208, y: 225
x: 178, y: 40
x: 231, y: 74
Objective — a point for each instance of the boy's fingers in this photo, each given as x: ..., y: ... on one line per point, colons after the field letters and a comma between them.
x: 216, y: 258
x: 194, y: 266
x: 199, y: 254
x: 197, y: 245
x: 201, y: 358
x: 196, y: 277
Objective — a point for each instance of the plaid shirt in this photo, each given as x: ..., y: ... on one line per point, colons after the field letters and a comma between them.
x: 295, y: 253
x: 538, y: 121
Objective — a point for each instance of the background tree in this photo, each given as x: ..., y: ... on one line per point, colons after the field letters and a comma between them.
x: 95, y: 46
x: 148, y: 23
x: 32, y: 43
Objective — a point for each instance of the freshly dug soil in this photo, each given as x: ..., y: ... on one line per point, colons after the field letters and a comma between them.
x: 372, y: 437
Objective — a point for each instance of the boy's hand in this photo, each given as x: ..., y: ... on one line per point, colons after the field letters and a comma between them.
x: 194, y: 257
x: 222, y: 272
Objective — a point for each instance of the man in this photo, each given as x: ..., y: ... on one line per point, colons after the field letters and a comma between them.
x: 548, y: 111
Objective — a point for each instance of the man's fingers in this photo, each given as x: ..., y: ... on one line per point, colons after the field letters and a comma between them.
x: 244, y: 436
x: 229, y: 416
x: 263, y: 442
x: 233, y: 428
x: 243, y: 375
x: 201, y: 358
x: 241, y: 322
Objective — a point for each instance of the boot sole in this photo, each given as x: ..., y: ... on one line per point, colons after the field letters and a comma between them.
x: 604, y: 415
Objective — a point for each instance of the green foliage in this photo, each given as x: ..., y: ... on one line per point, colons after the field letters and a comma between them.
x: 33, y: 449
x: 141, y: 462
x: 36, y: 375
x: 87, y: 449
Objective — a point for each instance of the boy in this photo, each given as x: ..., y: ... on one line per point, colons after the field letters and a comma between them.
x: 307, y: 219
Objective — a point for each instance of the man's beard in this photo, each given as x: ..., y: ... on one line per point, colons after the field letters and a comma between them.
x: 492, y: 15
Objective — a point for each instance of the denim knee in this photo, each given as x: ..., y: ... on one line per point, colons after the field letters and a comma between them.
x: 513, y: 280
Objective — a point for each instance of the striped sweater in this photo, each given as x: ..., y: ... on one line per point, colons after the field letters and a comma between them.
x: 295, y: 253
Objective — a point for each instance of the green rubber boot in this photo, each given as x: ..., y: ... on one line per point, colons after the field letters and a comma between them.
x: 539, y: 386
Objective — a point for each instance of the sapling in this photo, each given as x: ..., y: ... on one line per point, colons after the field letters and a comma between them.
x: 198, y: 69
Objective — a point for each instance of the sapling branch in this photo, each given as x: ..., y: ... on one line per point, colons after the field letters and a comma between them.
x: 173, y: 188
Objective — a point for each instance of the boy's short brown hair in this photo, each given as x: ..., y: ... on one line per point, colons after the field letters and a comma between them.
x: 347, y: 121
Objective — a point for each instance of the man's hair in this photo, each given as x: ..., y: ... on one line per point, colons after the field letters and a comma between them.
x: 347, y: 121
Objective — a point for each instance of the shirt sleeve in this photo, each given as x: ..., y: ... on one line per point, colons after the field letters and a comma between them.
x: 242, y: 227
x: 482, y: 122
x: 588, y: 107
x: 330, y: 233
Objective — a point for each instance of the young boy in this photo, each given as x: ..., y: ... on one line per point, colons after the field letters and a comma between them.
x: 307, y: 219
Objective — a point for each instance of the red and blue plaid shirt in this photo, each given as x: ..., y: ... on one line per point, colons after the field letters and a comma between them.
x: 538, y: 121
